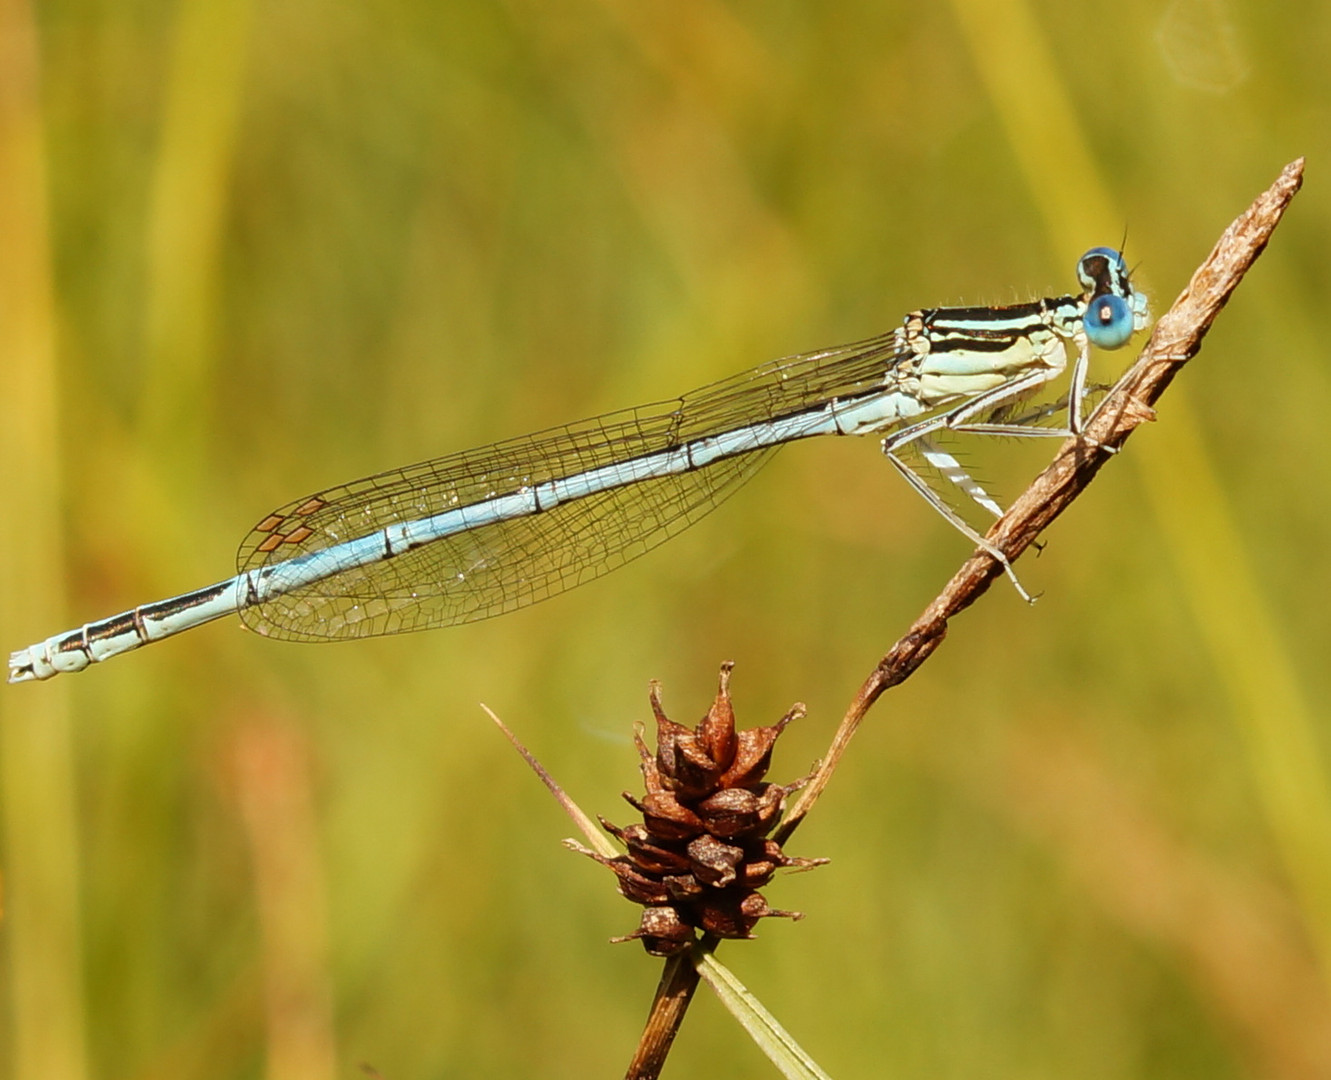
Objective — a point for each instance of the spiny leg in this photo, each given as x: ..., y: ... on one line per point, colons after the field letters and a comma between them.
x: 956, y: 520
x: 1026, y: 427
x: 951, y: 470
x: 960, y: 420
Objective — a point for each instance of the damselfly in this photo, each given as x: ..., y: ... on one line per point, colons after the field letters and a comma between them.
x: 486, y: 531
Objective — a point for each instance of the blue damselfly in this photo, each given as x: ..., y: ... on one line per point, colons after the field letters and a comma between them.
x: 483, y: 532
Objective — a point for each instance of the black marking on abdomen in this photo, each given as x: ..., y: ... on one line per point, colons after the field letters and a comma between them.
x: 176, y: 604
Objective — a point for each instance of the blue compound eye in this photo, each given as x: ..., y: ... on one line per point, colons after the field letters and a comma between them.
x: 1109, y: 321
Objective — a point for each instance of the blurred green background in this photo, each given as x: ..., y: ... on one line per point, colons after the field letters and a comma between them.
x: 253, y: 249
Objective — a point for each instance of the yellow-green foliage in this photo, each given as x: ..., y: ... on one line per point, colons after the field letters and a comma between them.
x: 253, y: 249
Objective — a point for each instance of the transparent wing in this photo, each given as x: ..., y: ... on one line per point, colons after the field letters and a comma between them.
x: 509, y: 564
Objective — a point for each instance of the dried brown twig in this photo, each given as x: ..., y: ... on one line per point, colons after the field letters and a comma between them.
x: 1176, y: 339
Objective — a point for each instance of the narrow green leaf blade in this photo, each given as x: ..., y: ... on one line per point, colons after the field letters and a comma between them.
x: 774, y: 1040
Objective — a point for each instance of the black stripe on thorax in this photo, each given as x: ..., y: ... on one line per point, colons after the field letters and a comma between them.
x: 963, y: 341
x: 990, y: 329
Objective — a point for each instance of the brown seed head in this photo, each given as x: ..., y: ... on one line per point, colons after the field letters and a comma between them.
x: 701, y: 852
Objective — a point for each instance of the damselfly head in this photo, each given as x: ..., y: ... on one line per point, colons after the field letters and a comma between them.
x: 1114, y: 311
